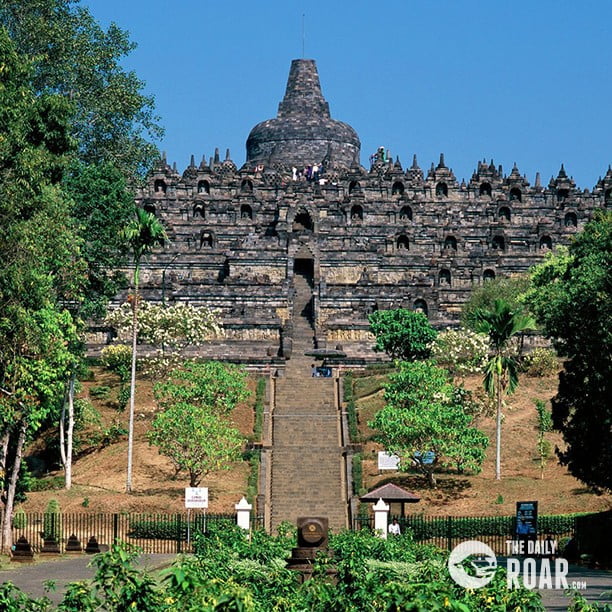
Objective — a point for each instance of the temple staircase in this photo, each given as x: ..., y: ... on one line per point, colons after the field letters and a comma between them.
x: 307, y: 464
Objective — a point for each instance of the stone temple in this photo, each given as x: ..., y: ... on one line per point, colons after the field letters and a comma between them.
x: 362, y: 238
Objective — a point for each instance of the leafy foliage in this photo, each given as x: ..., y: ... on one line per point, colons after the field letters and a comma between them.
x: 540, y: 362
x: 194, y: 429
x: 402, y: 334
x: 544, y: 426
x: 572, y: 299
x: 461, y: 351
x: 77, y: 59
x: 425, y: 415
x: 512, y: 290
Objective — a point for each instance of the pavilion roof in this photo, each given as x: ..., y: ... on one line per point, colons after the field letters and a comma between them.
x: 390, y: 492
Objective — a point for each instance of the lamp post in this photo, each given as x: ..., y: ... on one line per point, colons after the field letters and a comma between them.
x: 164, y: 279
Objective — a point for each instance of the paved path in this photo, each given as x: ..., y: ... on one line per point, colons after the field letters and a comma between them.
x: 30, y: 578
x: 598, y: 588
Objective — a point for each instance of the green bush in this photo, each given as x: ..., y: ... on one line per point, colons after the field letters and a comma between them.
x: 254, y: 459
x: 109, y: 435
x: 163, y: 528
x: 472, y: 527
x: 20, y: 519
x: 100, y: 392
x: 351, y: 408
x: 117, y: 358
x: 357, y: 464
x: 52, y: 521
x: 540, y: 362
x: 123, y: 397
x: 260, y: 397
x: 52, y: 483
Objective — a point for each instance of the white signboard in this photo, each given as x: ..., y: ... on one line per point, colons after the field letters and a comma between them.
x: 196, y: 497
x: 387, y: 461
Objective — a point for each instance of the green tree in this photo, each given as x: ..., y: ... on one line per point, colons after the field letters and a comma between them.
x: 73, y: 56
x: 402, y: 334
x: 425, y: 422
x: 571, y: 298
x: 216, y: 387
x: 501, y: 323
x: 143, y: 234
x: 195, y: 441
x: 41, y: 265
x: 194, y: 429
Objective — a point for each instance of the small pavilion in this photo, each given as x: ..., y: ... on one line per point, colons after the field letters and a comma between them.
x: 391, y: 494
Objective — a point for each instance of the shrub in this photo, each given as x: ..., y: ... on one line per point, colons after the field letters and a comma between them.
x: 118, y: 359
x: 461, y: 351
x: 52, y: 483
x: 20, y: 519
x: 100, y: 392
x: 52, y: 521
x: 357, y: 474
x: 260, y: 396
x: 540, y: 362
x: 351, y: 408
x: 123, y: 397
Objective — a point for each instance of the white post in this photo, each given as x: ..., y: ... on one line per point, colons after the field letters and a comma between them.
x: 381, y: 518
x: 243, y: 514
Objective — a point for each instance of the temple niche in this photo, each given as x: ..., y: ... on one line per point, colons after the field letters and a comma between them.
x: 365, y: 238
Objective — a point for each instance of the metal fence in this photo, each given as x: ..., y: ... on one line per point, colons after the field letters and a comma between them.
x: 153, y: 533
x: 448, y: 531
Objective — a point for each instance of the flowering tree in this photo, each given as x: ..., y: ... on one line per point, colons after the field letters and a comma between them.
x: 461, y: 351
x: 169, y: 328
x: 175, y: 326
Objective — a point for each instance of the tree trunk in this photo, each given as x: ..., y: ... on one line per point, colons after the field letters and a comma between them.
x: 4, y: 442
x: 128, y: 484
x: 498, y: 425
x: 66, y: 434
x: 7, y: 518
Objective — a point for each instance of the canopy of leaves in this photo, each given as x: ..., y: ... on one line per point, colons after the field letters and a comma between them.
x: 194, y: 429
x: 511, y: 290
x: 501, y: 323
x: 402, y: 334
x: 74, y: 57
x: 102, y: 205
x: 41, y: 265
x: 195, y: 440
x: 212, y: 386
x: 572, y: 299
x: 425, y: 415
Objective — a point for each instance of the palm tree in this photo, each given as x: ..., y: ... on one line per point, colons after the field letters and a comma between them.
x: 142, y: 234
x: 501, y: 323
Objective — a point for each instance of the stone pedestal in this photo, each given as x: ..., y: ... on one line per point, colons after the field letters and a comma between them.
x: 92, y: 547
x: 73, y: 545
x: 22, y: 551
x: 381, y: 518
x: 50, y: 547
x: 243, y: 514
x: 312, y: 539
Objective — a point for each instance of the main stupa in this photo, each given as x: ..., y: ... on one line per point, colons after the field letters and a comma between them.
x: 303, y: 133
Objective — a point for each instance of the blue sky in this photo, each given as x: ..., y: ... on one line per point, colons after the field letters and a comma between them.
x: 528, y: 81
